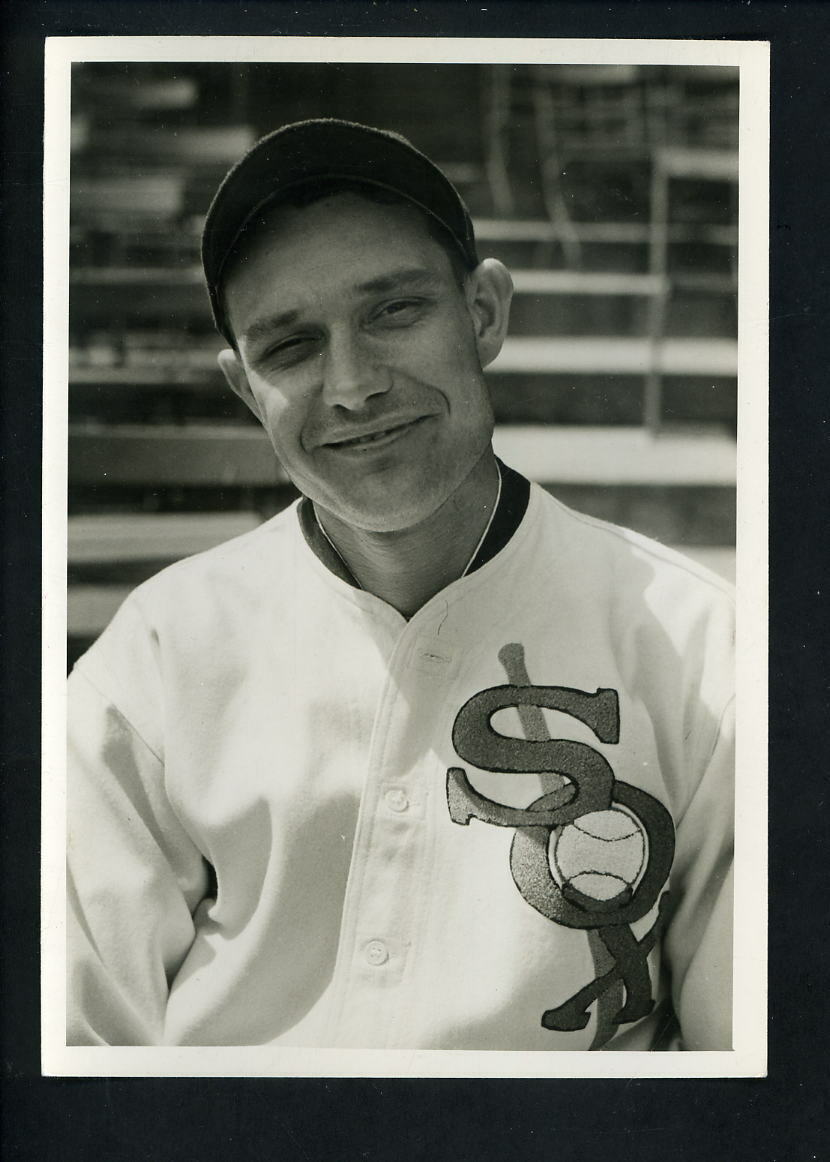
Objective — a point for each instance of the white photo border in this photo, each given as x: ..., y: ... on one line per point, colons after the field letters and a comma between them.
x: 748, y: 1056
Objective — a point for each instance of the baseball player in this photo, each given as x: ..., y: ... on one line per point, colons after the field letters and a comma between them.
x: 427, y: 760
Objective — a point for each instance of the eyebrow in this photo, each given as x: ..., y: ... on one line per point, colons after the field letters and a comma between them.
x: 262, y: 328
x: 407, y: 278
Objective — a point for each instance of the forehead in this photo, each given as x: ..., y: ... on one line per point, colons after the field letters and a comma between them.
x: 337, y: 242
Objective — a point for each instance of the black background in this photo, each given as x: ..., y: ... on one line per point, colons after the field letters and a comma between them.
x: 778, y: 1119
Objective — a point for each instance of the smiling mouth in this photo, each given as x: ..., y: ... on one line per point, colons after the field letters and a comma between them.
x: 385, y: 435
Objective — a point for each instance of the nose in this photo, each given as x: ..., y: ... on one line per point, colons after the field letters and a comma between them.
x: 351, y: 375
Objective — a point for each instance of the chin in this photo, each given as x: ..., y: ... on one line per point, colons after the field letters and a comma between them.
x: 390, y: 520
x: 390, y: 501
x: 390, y: 514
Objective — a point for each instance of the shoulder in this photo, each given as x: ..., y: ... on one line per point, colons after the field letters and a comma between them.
x: 200, y: 598
x: 658, y: 609
x: 632, y: 565
x: 668, y: 623
x: 272, y: 540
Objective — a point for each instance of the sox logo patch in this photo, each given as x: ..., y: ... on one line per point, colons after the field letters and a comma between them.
x: 610, y: 844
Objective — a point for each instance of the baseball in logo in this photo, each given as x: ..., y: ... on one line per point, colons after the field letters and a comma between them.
x: 593, y: 854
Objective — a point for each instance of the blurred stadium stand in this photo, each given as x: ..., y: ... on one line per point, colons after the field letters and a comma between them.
x: 610, y: 192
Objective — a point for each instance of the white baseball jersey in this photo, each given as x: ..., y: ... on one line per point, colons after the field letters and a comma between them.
x: 297, y: 817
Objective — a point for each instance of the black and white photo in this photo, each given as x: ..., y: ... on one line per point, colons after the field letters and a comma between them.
x: 413, y: 416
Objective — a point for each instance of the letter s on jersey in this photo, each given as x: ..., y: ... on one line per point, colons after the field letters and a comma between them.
x: 594, y: 816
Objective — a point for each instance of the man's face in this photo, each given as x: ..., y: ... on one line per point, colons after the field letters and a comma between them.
x: 361, y: 356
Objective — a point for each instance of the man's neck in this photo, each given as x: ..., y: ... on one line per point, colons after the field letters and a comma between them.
x: 407, y: 567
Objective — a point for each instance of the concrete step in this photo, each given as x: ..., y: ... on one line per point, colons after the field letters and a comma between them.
x: 172, y: 456
x: 129, y: 94
x: 215, y: 454
x: 186, y: 146
x: 689, y: 164
x: 131, y: 197
x: 138, y: 295
x: 601, y: 399
x: 518, y: 241
x: 527, y: 355
x: 580, y: 282
x: 616, y: 456
x: 535, y: 230
x: 565, y: 399
x: 688, y: 314
x: 621, y: 355
x: 106, y: 537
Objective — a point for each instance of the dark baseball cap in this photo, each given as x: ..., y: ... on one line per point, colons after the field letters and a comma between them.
x: 318, y: 150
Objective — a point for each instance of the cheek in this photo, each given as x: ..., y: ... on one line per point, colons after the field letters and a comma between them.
x: 464, y: 382
x: 282, y: 415
x: 449, y: 363
x: 461, y: 354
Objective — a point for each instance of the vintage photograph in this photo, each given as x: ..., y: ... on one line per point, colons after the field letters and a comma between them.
x: 402, y: 419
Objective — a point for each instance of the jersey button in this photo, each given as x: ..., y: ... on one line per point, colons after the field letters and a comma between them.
x: 396, y: 799
x: 376, y: 953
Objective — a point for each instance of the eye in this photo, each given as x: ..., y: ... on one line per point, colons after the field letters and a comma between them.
x: 289, y: 351
x: 399, y: 312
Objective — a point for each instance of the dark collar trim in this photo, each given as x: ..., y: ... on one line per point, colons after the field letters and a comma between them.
x: 515, y: 496
x: 319, y: 545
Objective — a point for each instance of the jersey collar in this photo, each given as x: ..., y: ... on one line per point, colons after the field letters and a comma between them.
x: 515, y: 493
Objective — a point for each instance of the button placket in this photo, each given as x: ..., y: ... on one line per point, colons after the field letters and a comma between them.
x: 376, y: 953
x: 389, y: 846
x: 396, y: 799
x: 433, y: 658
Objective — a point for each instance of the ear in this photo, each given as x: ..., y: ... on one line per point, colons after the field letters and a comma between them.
x: 489, y: 290
x: 234, y: 373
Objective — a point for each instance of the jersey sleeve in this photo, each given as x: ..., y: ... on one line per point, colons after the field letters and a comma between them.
x: 699, y: 937
x: 134, y: 876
